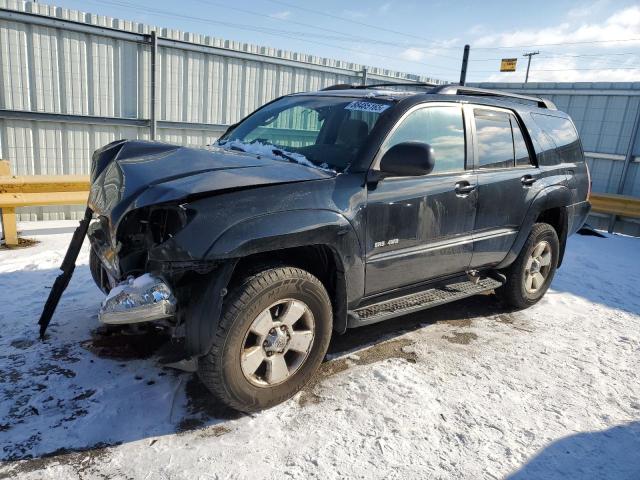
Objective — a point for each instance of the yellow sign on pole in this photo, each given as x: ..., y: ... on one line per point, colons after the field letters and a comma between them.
x: 508, y: 64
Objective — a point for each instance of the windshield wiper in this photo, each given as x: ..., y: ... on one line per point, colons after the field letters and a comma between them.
x: 280, y: 153
x: 234, y: 148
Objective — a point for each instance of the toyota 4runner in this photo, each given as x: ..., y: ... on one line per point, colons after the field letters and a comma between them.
x: 325, y: 211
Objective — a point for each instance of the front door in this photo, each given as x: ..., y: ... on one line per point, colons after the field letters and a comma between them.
x: 419, y: 228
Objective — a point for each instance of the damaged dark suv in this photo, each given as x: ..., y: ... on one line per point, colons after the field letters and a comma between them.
x: 325, y: 211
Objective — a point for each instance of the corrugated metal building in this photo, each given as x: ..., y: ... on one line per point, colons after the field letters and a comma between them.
x: 71, y: 82
x: 604, y: 114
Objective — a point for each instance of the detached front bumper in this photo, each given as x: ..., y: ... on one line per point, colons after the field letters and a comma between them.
x: 141, y: 299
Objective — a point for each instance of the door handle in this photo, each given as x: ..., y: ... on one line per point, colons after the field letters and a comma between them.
x: 528, y: 180
x: 464, y: 188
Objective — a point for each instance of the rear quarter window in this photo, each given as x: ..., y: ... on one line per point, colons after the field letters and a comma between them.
x: 563, y: 134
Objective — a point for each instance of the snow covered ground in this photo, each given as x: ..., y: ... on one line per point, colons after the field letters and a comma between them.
x: 467, y: 390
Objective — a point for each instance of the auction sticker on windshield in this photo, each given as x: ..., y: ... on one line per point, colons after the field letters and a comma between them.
x: 361, y: 106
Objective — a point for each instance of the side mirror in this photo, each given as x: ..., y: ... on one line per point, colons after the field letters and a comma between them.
x: 408, y: 159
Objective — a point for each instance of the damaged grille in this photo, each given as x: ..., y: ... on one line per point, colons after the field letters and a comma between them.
x: 99, y: 235
x: 139, y: 231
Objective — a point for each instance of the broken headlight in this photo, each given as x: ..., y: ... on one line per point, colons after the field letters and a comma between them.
x: 140, y: 299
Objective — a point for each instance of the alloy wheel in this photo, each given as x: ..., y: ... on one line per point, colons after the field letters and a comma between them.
x: 277, y: 343
x: 537, y: 267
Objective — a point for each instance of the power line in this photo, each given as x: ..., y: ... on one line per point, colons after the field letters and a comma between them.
x: 344, y: 36
x: 585, y: 69
x: 434, y: 70
x: 562, y: 55
x: 431, y: 41
x: 569, y: 69
x: 509, y: 47
x: 338, y: 17
x: 301, y: 36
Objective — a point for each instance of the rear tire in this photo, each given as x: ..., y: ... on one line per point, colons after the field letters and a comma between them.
x: 273, y: 335
x: 530, y: 275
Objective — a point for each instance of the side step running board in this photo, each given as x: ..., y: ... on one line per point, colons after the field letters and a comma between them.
x: 420, y: 301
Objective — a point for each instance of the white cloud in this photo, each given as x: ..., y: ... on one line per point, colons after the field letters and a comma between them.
x: 587, y: 10
x: 281, y: 15
x: 622, y: 24
x: 412, y: 54
x: 478, y: 29
x: 567, y: 69
x: 436, y: 49
x: 354, y: 14
x: 555, y: 64
x: 384, y: 8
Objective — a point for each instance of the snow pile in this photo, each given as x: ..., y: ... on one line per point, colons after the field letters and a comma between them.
x: 467, y: 390
x: 259, y: 148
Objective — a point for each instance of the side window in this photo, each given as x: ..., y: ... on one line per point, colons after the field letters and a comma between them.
x: 441, y: 127
x: 494, y: 138
x: 563, y: 134
x: 519, y: 145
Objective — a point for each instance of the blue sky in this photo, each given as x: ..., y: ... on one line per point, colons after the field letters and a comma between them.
x: 423, y: 37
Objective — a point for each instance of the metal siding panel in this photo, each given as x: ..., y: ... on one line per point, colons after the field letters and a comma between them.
x: 215, y: 85
x: 102, y: 78
x: 634, y: 105
x: 45, y: 54
x: 632, y: 183
x: 76, y: 73
x: 13, y: 48
x: 269, y: 82
x: 61, y: 71
x: 193, y: 106
x: 251, y: 88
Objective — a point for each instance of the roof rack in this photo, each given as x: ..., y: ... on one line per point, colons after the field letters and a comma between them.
x: 338, y: 86
x: 483, y: 92
x: 349, y: 86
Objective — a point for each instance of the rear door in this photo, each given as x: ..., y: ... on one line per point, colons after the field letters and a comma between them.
x: 419, y: 228
x: 507, y: 181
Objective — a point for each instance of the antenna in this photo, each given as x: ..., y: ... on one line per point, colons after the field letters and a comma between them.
x: 465, y: 62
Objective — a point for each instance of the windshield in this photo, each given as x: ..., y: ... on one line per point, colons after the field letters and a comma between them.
x: 325, y: 132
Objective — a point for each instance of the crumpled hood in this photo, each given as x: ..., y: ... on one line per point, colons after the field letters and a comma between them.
x: 131, y: 174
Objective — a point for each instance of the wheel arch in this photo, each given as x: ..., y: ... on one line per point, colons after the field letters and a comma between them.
x: 298, y: 229
x: 549, y: 206
x: 321, y: 260
x: 557, y: 217
x: 322, y: 242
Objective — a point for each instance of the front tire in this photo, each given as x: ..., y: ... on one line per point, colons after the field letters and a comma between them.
x: 529, y: 276
x: 273, y: 335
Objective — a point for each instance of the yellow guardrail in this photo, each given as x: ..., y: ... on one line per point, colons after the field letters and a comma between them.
x: 36, y: 190
x: 39, y: 190
x: 621, y: 205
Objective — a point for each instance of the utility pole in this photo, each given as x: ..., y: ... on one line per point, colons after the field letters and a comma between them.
x: 465, y: 61
x: 530, y: 54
